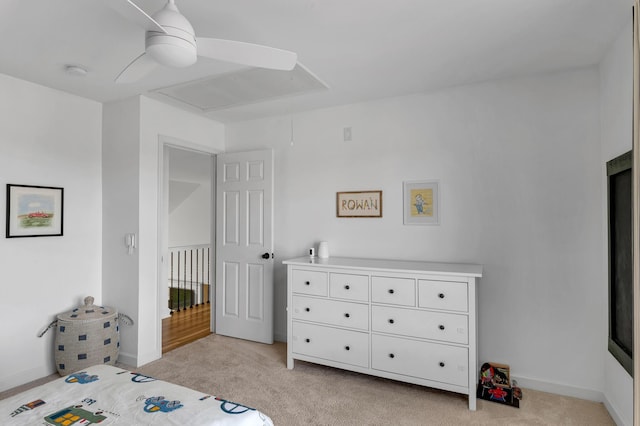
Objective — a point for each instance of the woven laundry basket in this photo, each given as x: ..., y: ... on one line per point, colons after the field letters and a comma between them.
x: 86, y: 336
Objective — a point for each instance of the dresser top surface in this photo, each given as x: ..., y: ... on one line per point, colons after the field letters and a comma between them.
x: 464, y: 269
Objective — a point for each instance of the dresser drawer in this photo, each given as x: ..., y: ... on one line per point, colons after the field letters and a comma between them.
x: 334, y: 312
x: 425, y: 360
x: 349, y: 286
x: 309, y: 282
x: 345, y: 346
x: 394, y: 291
x: 424, y: 324
x: 447, y: 295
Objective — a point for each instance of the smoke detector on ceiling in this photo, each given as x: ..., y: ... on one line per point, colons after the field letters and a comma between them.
x: 75, y: 70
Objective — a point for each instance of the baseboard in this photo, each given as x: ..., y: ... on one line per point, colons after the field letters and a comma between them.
x: 559, y: 389
x: 280, y: 337
x: 127, y: 359
x: 25, y: 376
x: 615, y: 415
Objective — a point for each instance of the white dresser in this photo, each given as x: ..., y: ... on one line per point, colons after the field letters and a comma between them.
x: 409, y: 321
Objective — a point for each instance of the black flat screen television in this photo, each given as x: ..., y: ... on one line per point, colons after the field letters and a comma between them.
x: 620, y: 218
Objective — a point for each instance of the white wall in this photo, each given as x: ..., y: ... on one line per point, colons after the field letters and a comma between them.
x: 519, y: 166
x: 190, y: 207
x: 616, y: 102
x: 190, y: 222
x: 153, y: 121
x: 120, y: 195
x: 47, y: 138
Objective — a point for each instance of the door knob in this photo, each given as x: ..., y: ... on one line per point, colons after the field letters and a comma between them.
x: 266, y: 256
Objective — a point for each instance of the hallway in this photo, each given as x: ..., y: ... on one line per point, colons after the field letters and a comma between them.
x: 186, y: 326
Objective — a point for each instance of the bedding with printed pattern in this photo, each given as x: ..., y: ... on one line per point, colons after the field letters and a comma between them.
x: 109, y: 395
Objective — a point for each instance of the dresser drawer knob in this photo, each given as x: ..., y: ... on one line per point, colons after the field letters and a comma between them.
x: 307, y: 283
x: 307, y: 340
x: 391, y: 321
x: 346, y: 287
x: 347, y: 315
x: 441, y: 364
x: 441, y: 295
x: 347, y: 348
x: 391, y: 291
x: 392, y: 356
x: 441, y: 327
x: 307, y: 309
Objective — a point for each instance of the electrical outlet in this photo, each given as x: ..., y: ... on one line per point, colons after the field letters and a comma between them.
x: 346, y: 133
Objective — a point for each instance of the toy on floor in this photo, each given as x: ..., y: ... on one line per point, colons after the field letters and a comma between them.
x: 495, y: 385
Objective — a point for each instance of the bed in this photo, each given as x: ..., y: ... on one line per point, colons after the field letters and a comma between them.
x: 109, y: 395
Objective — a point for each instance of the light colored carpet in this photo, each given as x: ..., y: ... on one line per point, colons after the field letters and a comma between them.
x: 256, y: 375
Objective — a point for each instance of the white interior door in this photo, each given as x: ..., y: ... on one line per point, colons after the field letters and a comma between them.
x: 244, y: 245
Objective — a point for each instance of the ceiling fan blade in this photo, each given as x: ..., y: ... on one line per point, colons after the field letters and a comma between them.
x: 137, y: 69
x: 132, y: 12
x: 239, y: 52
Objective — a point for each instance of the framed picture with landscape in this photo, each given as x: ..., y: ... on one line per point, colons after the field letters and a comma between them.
x: 34, y: 211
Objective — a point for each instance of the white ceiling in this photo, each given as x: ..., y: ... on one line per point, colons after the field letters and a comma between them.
x: 361, y: 49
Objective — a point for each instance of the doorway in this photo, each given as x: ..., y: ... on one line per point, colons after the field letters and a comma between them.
x: 188, y: 270
x: 236, y: 289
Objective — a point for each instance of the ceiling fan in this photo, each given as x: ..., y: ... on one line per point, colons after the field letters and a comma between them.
x: 170, y: 40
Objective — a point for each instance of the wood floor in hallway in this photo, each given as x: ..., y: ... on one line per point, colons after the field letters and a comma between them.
x: 185, y: 326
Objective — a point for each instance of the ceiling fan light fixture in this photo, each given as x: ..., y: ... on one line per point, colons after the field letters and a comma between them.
x: 170, y: 40
x: 176, y: 47
x: 171, y: 51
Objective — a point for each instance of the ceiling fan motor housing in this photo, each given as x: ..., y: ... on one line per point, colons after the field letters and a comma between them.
x: 176, y: 47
